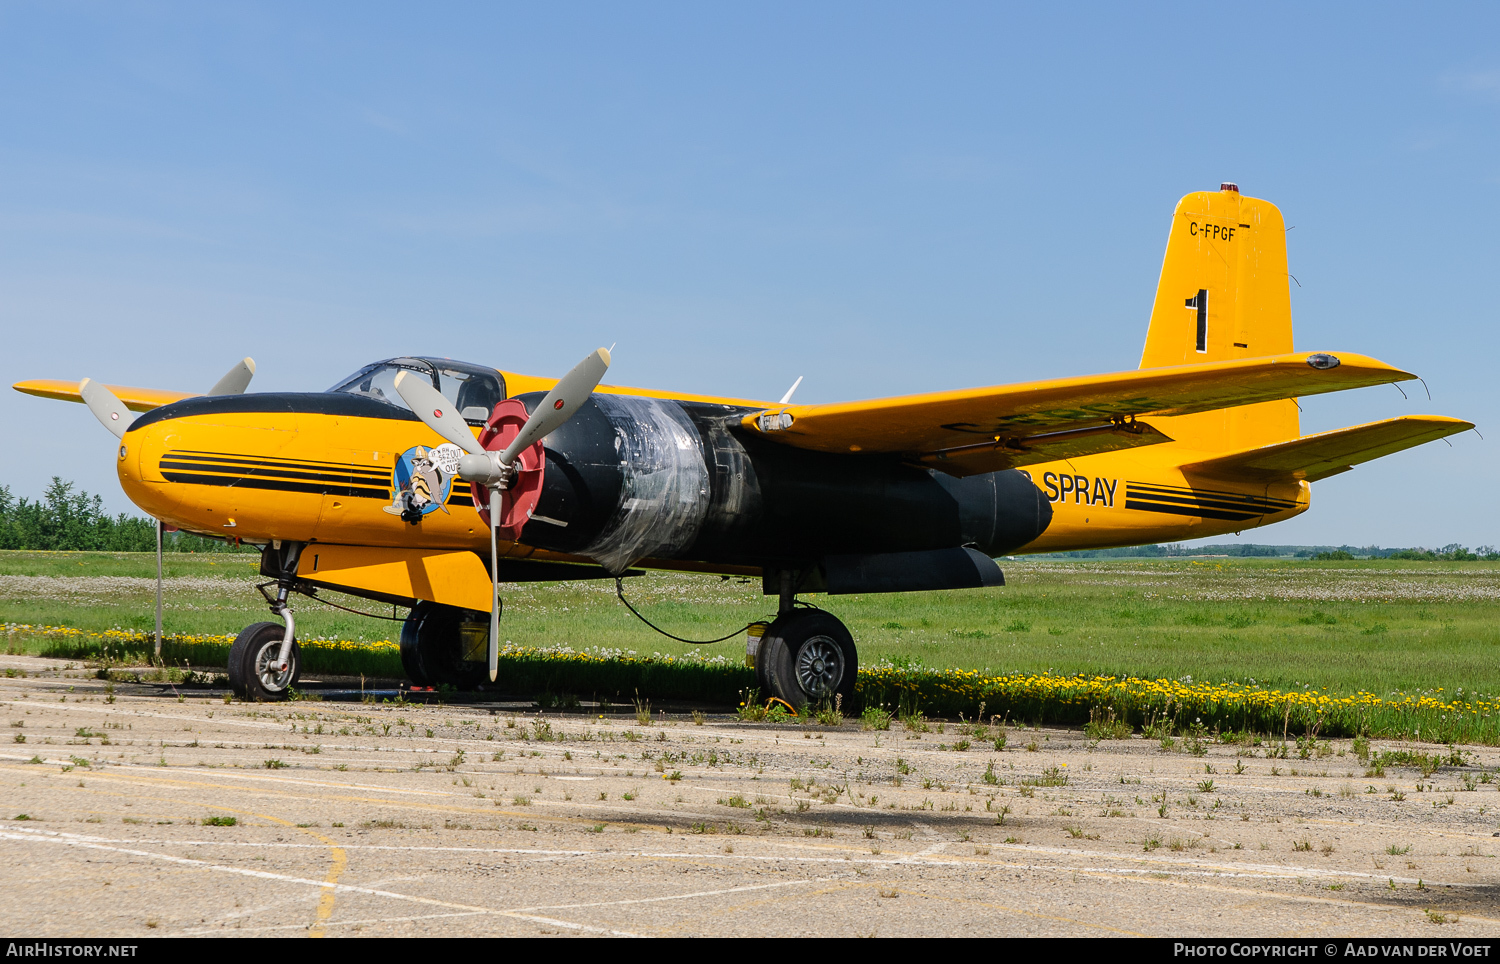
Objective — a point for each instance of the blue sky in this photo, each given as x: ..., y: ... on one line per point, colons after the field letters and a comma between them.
x: 885, y: 198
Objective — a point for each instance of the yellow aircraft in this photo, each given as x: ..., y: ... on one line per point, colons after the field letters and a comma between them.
x: 371, y: 487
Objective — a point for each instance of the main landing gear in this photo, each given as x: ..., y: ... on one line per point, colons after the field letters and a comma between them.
x: 446, y: 646
x: 806, y: 656
x: 440, y: 645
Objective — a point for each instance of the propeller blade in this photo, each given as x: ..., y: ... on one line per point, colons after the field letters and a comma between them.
x: 106, y: 406
x: 436, y: 411
x: 236, y: 380
x: 572, y: 390
x: 494, y: 649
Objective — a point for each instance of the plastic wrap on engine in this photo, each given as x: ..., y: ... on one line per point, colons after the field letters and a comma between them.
x: 664, y: 494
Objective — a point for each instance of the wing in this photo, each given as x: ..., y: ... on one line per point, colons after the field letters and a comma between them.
x: 135, y: 399
x: 1010, y: 425
x: 1329, y: 453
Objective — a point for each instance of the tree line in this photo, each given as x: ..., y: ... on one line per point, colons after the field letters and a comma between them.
x: 67, y: 518
x: 1452, y: 552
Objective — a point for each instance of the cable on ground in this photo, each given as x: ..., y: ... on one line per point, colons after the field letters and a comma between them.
x: 620, y: 591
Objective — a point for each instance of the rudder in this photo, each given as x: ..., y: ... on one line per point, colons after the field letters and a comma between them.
x: 1223, y: 295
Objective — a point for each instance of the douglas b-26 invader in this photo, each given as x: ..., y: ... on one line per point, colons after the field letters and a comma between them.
x: 427, y: 482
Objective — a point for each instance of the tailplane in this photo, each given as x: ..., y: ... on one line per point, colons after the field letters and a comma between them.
x: 1315, y: 457
x: 1223, y: 295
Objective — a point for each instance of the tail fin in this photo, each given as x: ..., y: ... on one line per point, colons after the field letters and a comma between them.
x: 1223, y: 295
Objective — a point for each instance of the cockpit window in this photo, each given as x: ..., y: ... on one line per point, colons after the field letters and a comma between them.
x: 473, y: 393
x: 473, y: 389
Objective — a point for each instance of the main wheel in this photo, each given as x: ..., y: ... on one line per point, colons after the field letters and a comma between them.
x: 445, y: 646
x: 252, y: 661
x: 807, y: 657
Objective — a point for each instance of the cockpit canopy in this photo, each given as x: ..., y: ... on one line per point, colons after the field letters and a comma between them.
x: 473, y: 389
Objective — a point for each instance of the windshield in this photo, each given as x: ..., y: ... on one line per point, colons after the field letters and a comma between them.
x: 473, y: 389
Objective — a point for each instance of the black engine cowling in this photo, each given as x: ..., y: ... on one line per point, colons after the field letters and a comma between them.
x: 630, y: 478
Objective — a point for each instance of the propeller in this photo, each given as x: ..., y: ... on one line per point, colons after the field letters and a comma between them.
x: 496, y: 470
x: 106, y: 406
x: 115, y: 416
x: 236, y: 380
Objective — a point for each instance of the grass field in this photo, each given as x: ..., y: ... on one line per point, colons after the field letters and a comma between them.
x: 1380, y: 627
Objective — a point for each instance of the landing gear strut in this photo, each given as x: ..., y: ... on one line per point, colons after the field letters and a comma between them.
x: 807, y: 656
x: 265, y: 661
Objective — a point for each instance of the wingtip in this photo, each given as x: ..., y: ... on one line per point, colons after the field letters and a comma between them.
x: 1351, y: 359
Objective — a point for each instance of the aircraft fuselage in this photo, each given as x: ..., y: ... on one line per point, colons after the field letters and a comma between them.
x: 631, y: 478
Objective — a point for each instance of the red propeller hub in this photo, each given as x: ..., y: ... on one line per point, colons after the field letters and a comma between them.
x: 520, y: 500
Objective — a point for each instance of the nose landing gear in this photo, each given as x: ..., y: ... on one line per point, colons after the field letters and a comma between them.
x: 264, y: 660
x: 261, y: 667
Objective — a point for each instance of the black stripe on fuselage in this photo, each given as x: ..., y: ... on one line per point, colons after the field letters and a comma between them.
x: 1254, y: 508
x: 1193, y: 511
x: 292, y: 482
x: 336, y: 478
x: 1232, y: 499
x: 276, y: 484
x: 1203, y: 504
x: 279, y: 485
x: 230, y: 459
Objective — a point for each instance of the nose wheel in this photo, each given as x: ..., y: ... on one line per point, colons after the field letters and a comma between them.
x: 256, y: 671
x: 807, y: 657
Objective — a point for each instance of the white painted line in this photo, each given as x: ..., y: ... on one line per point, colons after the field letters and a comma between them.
x: 652, y: 900
x: 319, y: 884
x: 231, y: 775
x: 326, y: 924
x: 119, y: 711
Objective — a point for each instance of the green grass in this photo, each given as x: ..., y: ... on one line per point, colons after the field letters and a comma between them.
x: 1380, y: 626
x: 205, y: 593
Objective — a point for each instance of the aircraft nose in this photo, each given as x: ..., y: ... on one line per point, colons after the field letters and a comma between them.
x: 138, y: 464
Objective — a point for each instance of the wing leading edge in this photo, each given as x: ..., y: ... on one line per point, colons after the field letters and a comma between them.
x: 135, y: 399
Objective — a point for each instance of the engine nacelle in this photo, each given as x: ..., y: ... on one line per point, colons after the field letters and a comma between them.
x: 630, y: 478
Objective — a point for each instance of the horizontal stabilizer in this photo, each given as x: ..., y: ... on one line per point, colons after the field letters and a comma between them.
x: 135, y: 399
x: 1317, y: 457
x: 923, y: 425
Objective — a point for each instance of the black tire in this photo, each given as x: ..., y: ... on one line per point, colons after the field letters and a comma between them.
x: 762, y: 659
x: 432, y: 647
x: 254, y: 649
x: 807, y: 658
